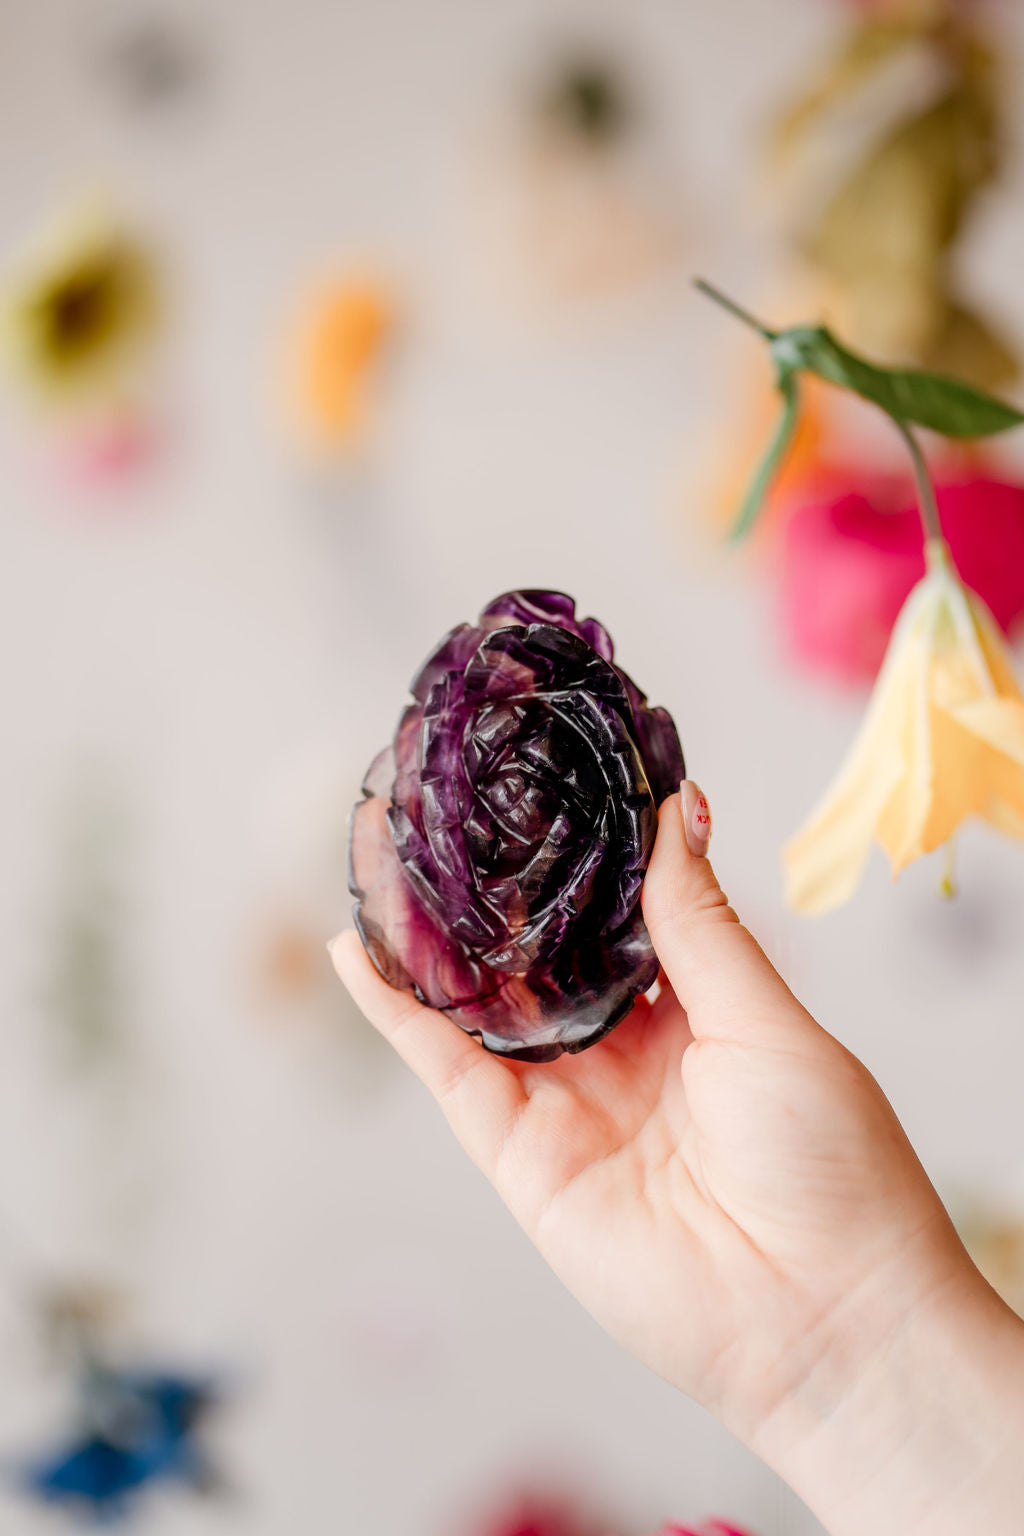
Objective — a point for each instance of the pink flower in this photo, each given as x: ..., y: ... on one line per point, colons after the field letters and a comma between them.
x: 95, y: 453
x: 852, y: 554
x: 530, y: 1518
x: 710, y: 1528
x: 537, y: 1518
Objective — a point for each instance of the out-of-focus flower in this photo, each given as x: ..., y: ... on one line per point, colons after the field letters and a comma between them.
x: 588, y: 100
x: 583, y: 228
x: 498, y: 855
x: 577, y: 200
x: 915, y: 10
x: 880, y: 163
x: 151, y: 60
x: 79, y: 1316
x: 943, y: 739
x: 533, y: 1517
x: 709, y: 1528
x: 78, y: 315
x: 853, y: 548
x: 339, y: 347
x: 292, y: 960
x: 135, y: 1428
x: 96, y: 451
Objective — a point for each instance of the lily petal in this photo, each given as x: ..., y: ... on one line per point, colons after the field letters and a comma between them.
x: 943, y: 740
x: 825, y: 860
x: 995, y: 650
x: 901, y: 826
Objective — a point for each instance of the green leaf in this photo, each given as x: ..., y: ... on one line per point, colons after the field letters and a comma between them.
x: 769, y: 466
x: 928, y: 399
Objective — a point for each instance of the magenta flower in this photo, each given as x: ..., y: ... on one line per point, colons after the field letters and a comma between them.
x: 498, y: 854
x: 851, y: 557
x: 532, y: 1519
x: 709, y: 1528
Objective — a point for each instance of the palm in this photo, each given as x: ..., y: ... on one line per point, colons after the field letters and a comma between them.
x: 601, y: 1162
x: 586, y: 1119
x: 726, y: 1189
x: 638, y: 1179
x: 713, y: 1192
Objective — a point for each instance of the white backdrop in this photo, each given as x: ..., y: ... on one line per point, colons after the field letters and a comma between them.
x: 230, y: 619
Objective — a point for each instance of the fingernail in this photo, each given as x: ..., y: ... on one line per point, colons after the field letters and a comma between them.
x: 696, y: 817
x: 332, y: 942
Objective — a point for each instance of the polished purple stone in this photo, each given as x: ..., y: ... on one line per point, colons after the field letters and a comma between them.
x: 498, y: 852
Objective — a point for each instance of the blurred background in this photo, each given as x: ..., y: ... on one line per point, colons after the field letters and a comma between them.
x: 322, y: 324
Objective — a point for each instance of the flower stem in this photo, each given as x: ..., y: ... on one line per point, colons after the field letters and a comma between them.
x: 734, y: 309
x: 926, y: 503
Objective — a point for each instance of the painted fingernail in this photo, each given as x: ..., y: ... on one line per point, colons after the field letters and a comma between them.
x: 696, y: 817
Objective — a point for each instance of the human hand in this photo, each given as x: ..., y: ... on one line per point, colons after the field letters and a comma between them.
x: 729, y: 1193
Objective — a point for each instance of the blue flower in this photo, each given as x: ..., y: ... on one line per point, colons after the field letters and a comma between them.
x: 136, y: 1427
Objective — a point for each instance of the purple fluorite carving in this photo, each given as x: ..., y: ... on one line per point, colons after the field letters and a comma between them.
x: 498, y: 852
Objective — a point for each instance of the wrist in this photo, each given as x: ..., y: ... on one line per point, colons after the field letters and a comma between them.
x: 910, y: 1420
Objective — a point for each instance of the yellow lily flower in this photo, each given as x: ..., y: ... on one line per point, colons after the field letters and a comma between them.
x: 943, y: 739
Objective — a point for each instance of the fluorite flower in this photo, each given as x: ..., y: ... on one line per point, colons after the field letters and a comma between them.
x: 943, y: 739
x: 498, y: 854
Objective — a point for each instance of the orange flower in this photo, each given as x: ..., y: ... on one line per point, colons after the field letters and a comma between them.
x: 340, y: 344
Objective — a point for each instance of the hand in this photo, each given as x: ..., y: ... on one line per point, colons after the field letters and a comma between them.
x: 728, y: 1192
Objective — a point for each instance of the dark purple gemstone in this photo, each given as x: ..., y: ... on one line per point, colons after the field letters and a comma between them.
x: 499, y: 850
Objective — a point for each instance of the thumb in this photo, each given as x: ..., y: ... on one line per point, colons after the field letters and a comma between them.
x: 721, y: 976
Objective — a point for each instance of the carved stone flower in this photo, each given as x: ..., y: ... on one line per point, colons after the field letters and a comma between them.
x: 498, y: 853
